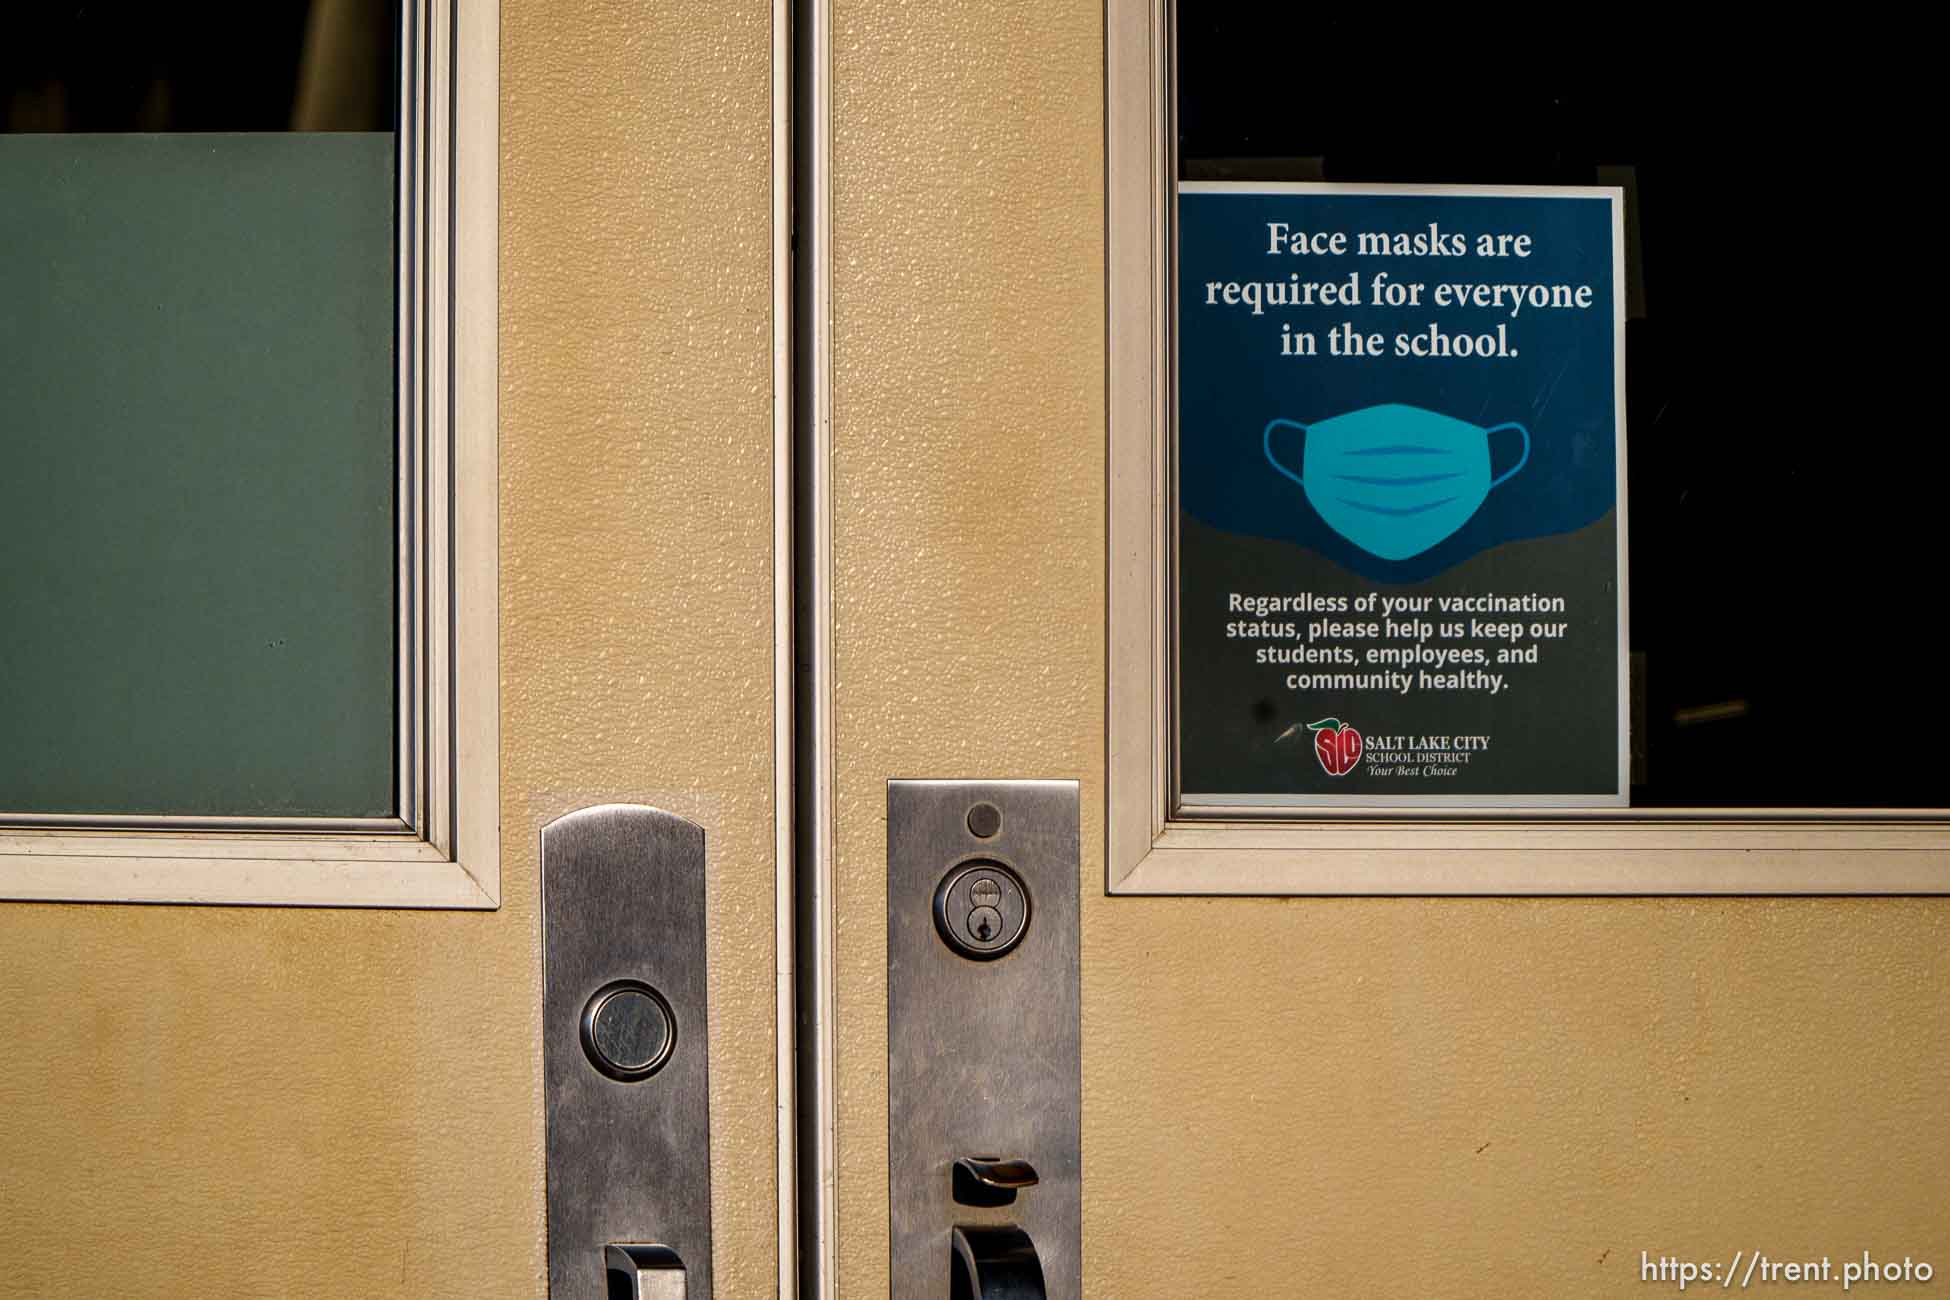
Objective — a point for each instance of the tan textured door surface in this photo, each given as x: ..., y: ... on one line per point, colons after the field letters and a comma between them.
x: 204, y: 1102
x: 1281, y: 1097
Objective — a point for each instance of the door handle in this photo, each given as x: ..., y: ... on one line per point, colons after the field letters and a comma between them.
x: 984, y: 1040
x: 995, y: 1263
x: 648, y: 1272
x: 624, y: 1056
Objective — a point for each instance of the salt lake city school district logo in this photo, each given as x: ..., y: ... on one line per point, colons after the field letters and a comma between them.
x: 1336, y: 744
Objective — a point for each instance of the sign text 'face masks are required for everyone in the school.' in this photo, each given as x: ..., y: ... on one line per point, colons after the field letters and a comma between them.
x: 1401, y: 529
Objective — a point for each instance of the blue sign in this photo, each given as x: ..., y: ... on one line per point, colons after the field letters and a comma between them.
x: 1391, y: 397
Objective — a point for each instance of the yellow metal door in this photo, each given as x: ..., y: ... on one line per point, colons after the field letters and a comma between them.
x: 1281, y: 1097
x: 236, y: 1101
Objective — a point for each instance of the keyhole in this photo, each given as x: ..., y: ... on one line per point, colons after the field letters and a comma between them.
x: 984, y: 923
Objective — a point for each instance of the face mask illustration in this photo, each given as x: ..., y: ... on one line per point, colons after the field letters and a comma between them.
x: 1394, y: 479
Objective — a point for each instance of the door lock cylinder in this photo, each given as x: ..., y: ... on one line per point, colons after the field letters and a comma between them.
x: 981, y: 909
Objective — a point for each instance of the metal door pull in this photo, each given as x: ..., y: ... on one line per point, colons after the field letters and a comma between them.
x: 625, y: 1056
x: 984, y: 1040
x: 995, y: 1263
x: 649, y: 1272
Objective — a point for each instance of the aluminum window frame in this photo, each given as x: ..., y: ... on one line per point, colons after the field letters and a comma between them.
x: 1154, y: 848
x: 443, y: 849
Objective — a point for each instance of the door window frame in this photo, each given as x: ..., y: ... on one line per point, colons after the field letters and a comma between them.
x: 443, y: 848
x: 1364, y: 851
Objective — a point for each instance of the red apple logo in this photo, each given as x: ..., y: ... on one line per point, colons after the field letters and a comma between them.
x: 1337, y: 745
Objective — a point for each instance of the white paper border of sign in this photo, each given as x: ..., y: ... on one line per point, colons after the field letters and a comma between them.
x: 1193, y: 805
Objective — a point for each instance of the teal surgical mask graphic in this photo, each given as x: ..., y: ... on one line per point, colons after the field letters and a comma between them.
x: 1393, y: 479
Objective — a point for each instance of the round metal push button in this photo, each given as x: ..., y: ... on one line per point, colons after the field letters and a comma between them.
x: 984, y: 820
x: 628, y: 1030
x: 981, y: 909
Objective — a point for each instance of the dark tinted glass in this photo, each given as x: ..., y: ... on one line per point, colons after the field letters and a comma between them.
x: 1786, y: 482
x: 279, y: 65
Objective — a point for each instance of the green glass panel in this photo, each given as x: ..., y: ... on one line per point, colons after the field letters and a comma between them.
x: 197, y: 537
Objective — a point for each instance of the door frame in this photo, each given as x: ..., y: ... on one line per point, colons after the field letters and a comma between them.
x: 443, y: 848
x: 1152, y: 850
